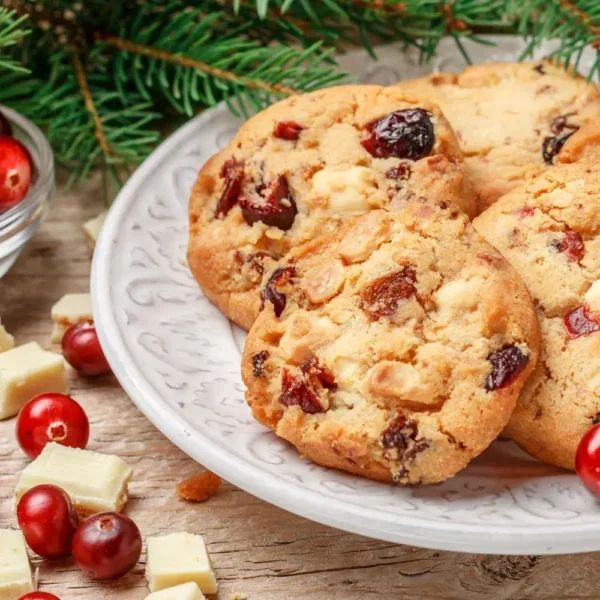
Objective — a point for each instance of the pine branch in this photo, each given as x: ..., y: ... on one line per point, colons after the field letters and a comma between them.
x: 11, y: 33
x: 204, y: 55
x: 86, y: 120
x: 574, y: 23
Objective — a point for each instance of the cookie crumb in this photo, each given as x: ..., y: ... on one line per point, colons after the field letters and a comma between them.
x: 238, y: 596
x: 200, y: 487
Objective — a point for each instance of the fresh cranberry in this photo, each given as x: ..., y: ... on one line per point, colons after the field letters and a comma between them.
x: 51, y: 418
x: 572, y: 245
x: 587, y: 460
x: 82, y: 350
x: 107, y: 546
x: 48, y: 520
x: 288, y: 130
x: 232, y: 172
x: 5, y: 126
x: 279, y: 277
x: 580, y: 322
x: 507, y: 364
x: 402, y: 134
x: 274, y: 205
x: 382, y: 296
x: 16, y: 172
x: 39, y: 596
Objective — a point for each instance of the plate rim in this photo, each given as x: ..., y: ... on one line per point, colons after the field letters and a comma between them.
x: 447, y: 536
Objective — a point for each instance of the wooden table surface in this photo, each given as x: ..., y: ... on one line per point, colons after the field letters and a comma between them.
x: 259, y: 551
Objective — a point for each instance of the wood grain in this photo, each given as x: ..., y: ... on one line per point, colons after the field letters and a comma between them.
x: 259, y: 551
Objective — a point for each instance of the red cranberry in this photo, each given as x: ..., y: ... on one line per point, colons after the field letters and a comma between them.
x: 82, y: 350
x: 572, y: 245
x: 258, y: 363
x: 401, y: 434
x: 5, y: 126
x: 587, y: 460
x: 288, y: 130
x: 16, y: 172
x: 507, y: 364
x: 280, y: 276
x: 51, y: 418
x: 402, y: 134
x: 274, y: 205
x: 107, y: 546
x: 232, y: 172
x: 382, y: 296
x: 296, y: 391
x: 580, y: 322
x: 39, y: 596
x: 48, y: 521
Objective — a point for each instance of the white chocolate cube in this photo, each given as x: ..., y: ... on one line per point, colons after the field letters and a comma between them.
x: 26, y: 372
x: 16, y: 578
x: 96, y: 482
x: 7, y: 341
x: 92, y: 230
x: 179, y: 558
x: 69, y: 310
x: 187, y: 591
x: 592, y: 297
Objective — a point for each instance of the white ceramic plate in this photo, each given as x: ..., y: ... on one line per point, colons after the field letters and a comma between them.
x: 178, y: 358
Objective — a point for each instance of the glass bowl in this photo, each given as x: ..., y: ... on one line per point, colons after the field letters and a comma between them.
x: 18, y: 224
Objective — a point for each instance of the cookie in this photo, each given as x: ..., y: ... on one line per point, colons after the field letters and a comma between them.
x: 582, y: 145
x: 394, y: 349
x: 301, y: 167
x: 550, y: 231
x: 511, y: 119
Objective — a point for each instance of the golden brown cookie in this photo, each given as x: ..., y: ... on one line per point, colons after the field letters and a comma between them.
x: 550, y: 231
x: 301, y: 167
x: 511, y: 119
x: 395, y: 348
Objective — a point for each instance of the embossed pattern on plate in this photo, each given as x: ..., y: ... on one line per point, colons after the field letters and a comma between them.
x: 178, y: 358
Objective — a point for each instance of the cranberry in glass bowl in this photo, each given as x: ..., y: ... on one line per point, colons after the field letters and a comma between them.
x: 27, y: 169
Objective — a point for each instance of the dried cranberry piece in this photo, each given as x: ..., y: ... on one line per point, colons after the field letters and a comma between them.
x: 403, y: 134
x: 280, y: 276
x: 540, y: 69
x: 233, y: 173
x: 524, y: 211
x: 552, y: 146
x: 401, y: 172
x: 288, y: 130
x: 401, y: 435
x: 275, y: 205
x: 507, y: 364
x: 572, y: 245
x: 382, y: 296
x: 312, y: 369
x: 298, y: 392
x: 580, y: 322
x: 258, y: 363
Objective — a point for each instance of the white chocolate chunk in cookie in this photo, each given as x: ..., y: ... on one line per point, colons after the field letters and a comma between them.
x: 70, y: 309
x: 7, y: 341
x: 300, y: 339
x: 592, y: 297
x: 403, y: 383
x: 347, y: 190
x: 365, y: 237
x: 457, y: 296
x: 324, y: 282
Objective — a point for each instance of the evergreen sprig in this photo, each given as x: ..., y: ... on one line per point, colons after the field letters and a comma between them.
x: 105, y: 75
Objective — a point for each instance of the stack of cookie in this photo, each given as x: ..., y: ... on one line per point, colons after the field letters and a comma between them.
x: 390, y: 336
